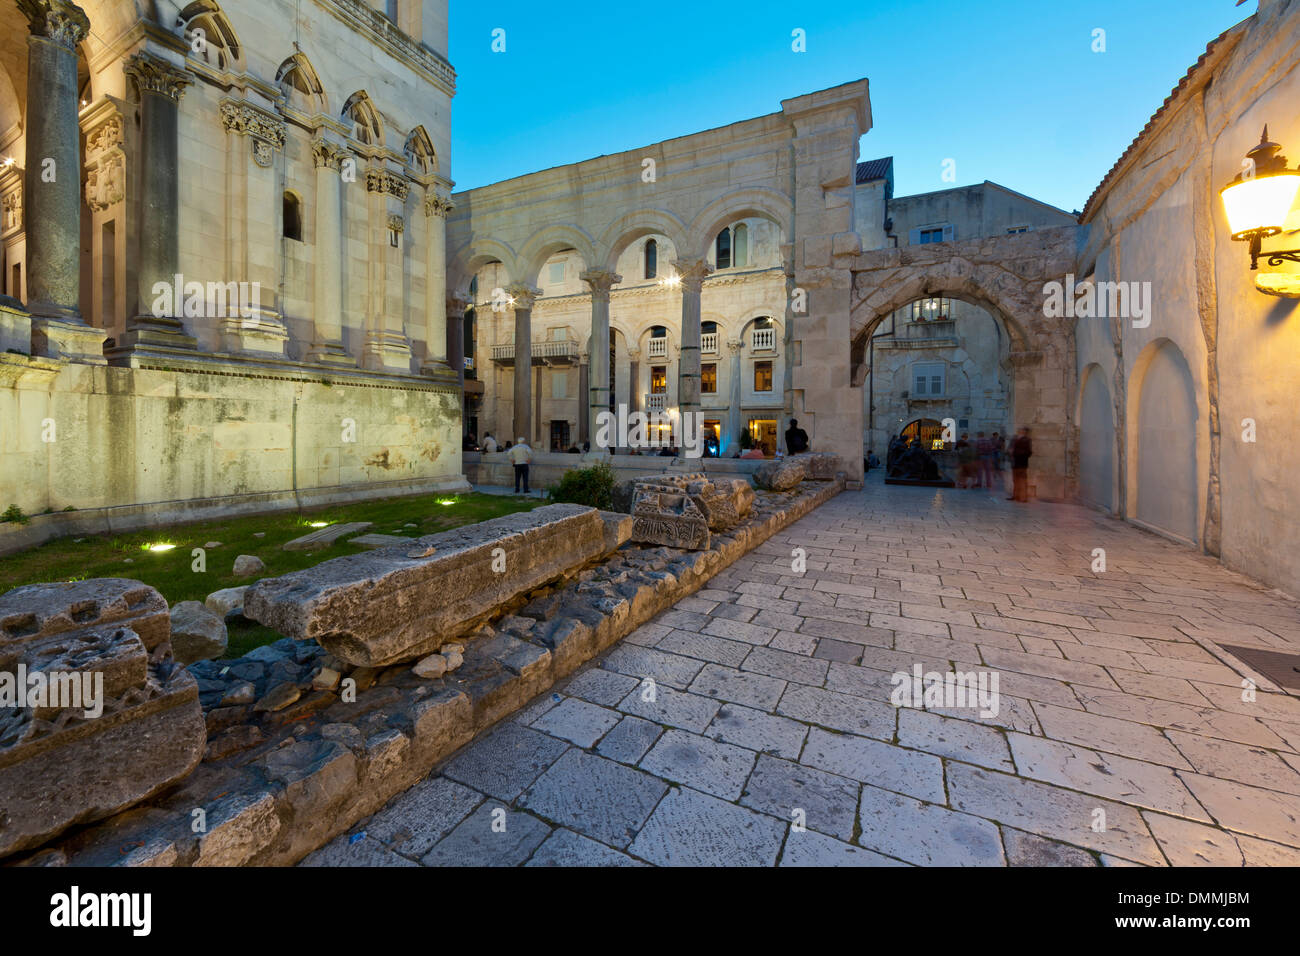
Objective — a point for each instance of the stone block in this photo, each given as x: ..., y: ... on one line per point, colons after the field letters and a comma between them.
x: 782, y: 474
x: 373, y: 541
x: 198, y: 633
x: 133, y: 727
x: 661, y: 516
x: 324, y: 537
x: 819, y: 466
x: 722, y: 501
x: 400, y: 603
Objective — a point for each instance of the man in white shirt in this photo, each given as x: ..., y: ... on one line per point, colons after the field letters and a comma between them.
x: 489, y: 444
x: 520, y: 456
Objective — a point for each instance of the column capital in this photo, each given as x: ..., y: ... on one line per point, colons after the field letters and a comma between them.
x: 457, y: 305
x: 265, y: 130
x: 600, y: 281
x: 734, y: 346
x: 437, y: 205
x: 691, y: 273
x: 522, y: 295
x: 327, y: 154
x: 58, y: 20
x: 379, y: 180
x: 153, y: 74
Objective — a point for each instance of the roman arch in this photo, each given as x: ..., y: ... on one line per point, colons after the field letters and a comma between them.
x: 1004, y: 276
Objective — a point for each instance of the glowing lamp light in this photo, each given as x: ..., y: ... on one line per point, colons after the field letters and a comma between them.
x: 318, y: 524
x: 446, y: 501
x: 159, y: 546
x: 1258, y: 201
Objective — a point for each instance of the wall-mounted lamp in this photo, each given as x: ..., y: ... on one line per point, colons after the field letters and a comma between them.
x: 1259, y: 199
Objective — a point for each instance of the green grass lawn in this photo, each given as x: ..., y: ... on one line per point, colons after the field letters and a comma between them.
x: 172, y: 571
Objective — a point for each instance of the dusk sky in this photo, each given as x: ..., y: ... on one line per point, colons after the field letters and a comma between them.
x: 1010, y: 90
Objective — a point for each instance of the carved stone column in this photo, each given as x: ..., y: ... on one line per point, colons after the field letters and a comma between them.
x: 327, y: 345
x: 53, y: 183
x: 253, y: 255
x: 104, y: 129
x: 436, y: 208
x: 734, y: 393
x: 522, y: 298
x: 692, y: 273
x: 156, y: 326
x: 387, y: 345
x: 598, y: 397
x: 454, y: 338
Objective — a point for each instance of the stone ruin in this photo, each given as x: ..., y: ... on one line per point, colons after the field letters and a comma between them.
x: 60, y: 766
x: 680, y: 510
x: 784, y: 474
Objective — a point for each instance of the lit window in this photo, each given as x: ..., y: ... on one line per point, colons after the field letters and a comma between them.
x: 762, y: 376
x: 931, y: 310
x: 1016, y: 230
x: 658, y: 379
x: 709, y: 379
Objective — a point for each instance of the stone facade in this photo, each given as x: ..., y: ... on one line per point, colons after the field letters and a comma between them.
x: 261, y: 265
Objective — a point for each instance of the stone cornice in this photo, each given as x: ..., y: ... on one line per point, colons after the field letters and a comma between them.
x: 153, y: 74
x: 56, y: 20
x: 379, y: 30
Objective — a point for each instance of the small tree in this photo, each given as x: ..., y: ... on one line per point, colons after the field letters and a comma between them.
x: 592, y: 486
x: 746, y: 440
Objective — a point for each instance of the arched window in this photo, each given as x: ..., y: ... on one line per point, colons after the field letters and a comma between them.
x: 300, y: 85
x: 708, y: 328
x: 723, y: 249
x: 651, y: 258
x: 361, y: 114
x: 292, y: 216
x: 741, y: 244
x: 419, y: 152
x: 209, y: 34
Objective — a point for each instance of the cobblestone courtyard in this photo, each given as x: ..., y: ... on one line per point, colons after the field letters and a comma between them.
x: 1122, y: 735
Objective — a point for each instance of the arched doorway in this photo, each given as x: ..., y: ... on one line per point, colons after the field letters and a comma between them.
x: 1167, y: 430
x: 929, y: 431
x: 1096, y: 441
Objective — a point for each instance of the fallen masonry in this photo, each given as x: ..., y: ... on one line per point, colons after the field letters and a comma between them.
x: 66, y: 764
x: 679, y: 510
x: 342, y: 739
x: 404, y: 601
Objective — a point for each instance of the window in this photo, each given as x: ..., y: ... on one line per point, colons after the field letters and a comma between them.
x: 208, y: 34
x: 559, y: 384
x: 1016, y: 230
x: 723, y: 249
x: 390, y: 9
x: 931, y: 310
x: 468, y: 344
x: 927, y: 380
x: 931, y: 235
x: 741, y: 245
x: 658, y: 379
x: 651, y: 258
x: 762, y: 376
x: 292, y: 216
x: 555, y: 275
x: 709, y: 379
x: 393, y: 238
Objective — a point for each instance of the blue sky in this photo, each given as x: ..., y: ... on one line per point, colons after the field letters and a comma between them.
x: 1009, y: 89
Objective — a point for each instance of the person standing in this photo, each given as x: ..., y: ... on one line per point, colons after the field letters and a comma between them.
x: 796, y: 439
x: 1021, y: 450
x: 520, y: 456
x: 984, y: 448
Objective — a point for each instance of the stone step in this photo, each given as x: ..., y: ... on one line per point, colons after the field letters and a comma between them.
x: 379, y: 540
x: 324, y: 537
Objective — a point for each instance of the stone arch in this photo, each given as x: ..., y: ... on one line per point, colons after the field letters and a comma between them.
x: 211, y: 39
x: 301, y: 85
x: 419, y: 152
x: 366, y: 125
x: 1095, y: 413
x: 473, y: 256
x: 749, y: 203
x: 547, y: 241
x: 1164, y: 434
x: 630, y: 227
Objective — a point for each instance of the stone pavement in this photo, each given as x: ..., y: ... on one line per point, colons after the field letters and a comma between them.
x: 752, y: 723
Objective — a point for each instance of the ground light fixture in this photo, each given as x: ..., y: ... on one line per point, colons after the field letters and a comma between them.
x: 1257, y: 203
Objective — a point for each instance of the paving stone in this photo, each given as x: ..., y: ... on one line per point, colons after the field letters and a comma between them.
x: 828, y: 803
x: 597, y: 797
x: 1110, y: 734
x: 694, y: 829
x: 671, y: 707
x: 506, y: 761
x: 700, y: 763
x: 642, y: 662
x: 880, y: 764
x: 949, y: 737
x: 793, y: 642
x: 786, y: 666
x: 755, y: 730
x: 1029, y: 849
x: 417, y: 819
x: 926, y: 834
x: 734, y: 612
x: 852, y: 715
x: 629, y: 740
x: 738, y: 687
x: 566, y: 848
x: 1261, y: 813
x: 492, y: 835
x: 705, y: 648
x: 344, y: 850
x: 811, y: 848
x: 1233, y: 761
x: 577, y: 721
x: 600, y: 686
x: 1187, y: 843
x: 832, y: 650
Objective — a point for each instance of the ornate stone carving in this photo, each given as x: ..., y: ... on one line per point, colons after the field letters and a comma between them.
x: 382, y: 181
x: 153, y: 74
x: 436, y: 205
x: 13, y: 209
x: 691, y: 272
x: 397, y: 224
x: 105, y: 164
x: 329, y: 154
x: 265, y: 131
x: 600, y: 281
x: 522, y: 296
x: 64, y: 23
x: 104, y: 137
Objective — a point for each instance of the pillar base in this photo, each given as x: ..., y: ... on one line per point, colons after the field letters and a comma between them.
x: 330, y: 353
x: 261, y: 334
x: 386, y: 351
x: 69, y: 339
x: 151, y: 336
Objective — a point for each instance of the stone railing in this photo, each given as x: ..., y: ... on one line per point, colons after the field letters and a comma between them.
x: 763, y: 340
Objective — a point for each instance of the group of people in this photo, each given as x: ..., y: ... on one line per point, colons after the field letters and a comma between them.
x: 978, y: 461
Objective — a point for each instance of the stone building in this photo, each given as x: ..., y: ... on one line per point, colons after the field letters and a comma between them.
x: 223, y: 252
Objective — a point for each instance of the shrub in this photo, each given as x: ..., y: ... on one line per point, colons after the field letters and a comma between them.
x: 592, y: 486
x: 14, y: 513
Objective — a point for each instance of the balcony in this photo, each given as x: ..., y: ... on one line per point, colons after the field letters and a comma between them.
x: 544, y: 352
x: 656, y: 401
x: 658, y: 348
x: 709, y: 343
x: 763, y: 340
